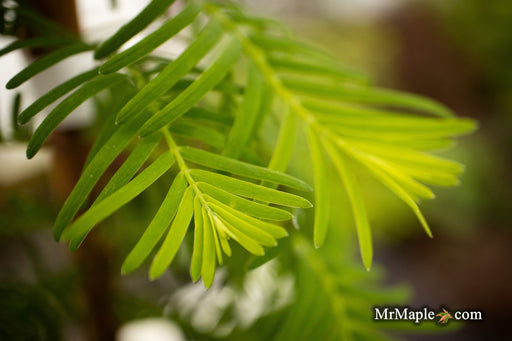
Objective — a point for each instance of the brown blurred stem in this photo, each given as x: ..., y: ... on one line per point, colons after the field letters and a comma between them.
x: 69, y: 150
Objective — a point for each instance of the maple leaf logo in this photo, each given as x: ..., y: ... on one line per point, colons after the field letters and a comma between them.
x: 445, y: 316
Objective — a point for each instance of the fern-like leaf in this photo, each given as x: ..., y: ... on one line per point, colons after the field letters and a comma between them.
x: 349, y: 124
x: 352, y: 118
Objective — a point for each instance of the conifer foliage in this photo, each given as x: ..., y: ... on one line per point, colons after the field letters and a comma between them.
x: 197, y: 118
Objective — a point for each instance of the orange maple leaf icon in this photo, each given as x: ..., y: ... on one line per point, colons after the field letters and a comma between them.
x: 445, y: 316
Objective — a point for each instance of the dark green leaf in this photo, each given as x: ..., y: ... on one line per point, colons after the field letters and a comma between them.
x: 132, y: 164
x: 65, y: 107
x: 108, y: 129
x: 16, y: 105
x: 85, y: 223
x: 152, y: 41
x: 98, y: 164
x: 45, y: 62
x: 36, y: 42
x: 54, y: 94
x: 152, y: 11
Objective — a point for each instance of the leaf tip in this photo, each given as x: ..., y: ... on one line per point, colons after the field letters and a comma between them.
x: 74, y: 245
x: 318, y: 242
x: 154, y: 274
x: 126, y: 268
x: 11, y: 84
x: 208, y: 283
x: 121, y: 117
x: 145, y: 131
x: 103, y: 70
x: 367, y: 262
x: 31, y: 151
x: 100, y: 52
x: 32, y: 148
x: 307, y: 187
x: 22, y: 119
x: 471, y: 125
x: 304, y: 203
x: 30, y: 155
x: 56, y: 234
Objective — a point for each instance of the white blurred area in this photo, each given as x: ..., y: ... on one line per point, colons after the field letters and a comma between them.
x: 150, y: 329
x: 346, y: 10
x: 264, y: 291
x: 97, y: 18
x: 358, y: 9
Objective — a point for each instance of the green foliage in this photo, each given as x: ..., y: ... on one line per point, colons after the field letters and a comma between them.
x: 328, y: 306
x: 149, y: 43
x: 54, y: 94
x: 64, y: 108
x: 347, y: 122
x: 137, y: 24
x: 45, y: 62
x: 172, y: 122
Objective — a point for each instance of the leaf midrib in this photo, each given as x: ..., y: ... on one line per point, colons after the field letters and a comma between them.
x: 260, y: 60
x: 184, y: 168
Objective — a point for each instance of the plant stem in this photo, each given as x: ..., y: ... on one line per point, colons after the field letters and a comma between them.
x: 183, y: 166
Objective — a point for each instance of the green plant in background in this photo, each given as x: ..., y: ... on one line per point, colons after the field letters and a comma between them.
x: 200, y: 119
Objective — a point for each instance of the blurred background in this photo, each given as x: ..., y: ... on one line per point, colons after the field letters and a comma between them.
x: 456, y: 51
